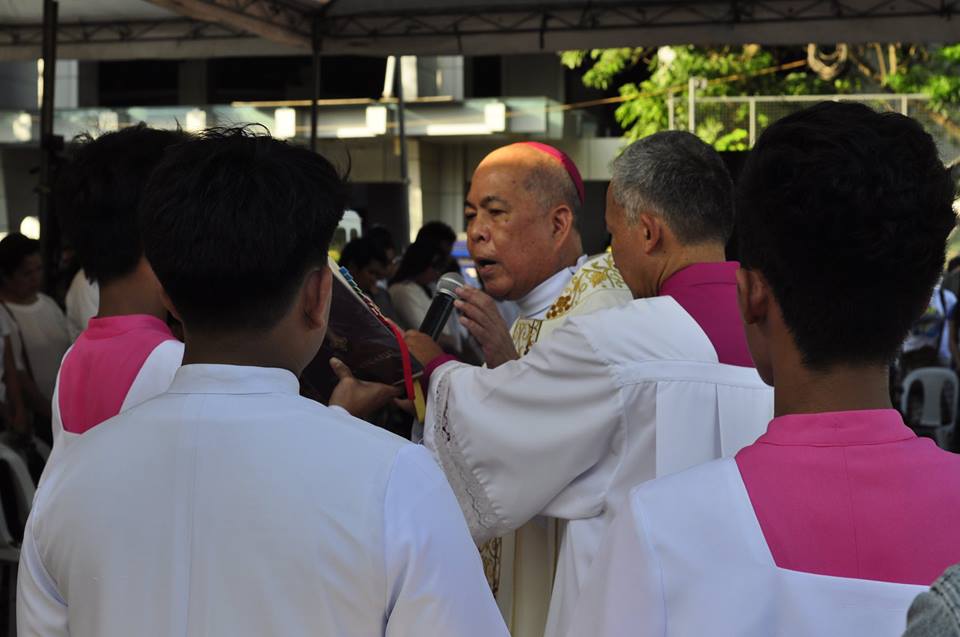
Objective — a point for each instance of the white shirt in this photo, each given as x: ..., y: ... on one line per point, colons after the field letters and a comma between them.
x: 41, y: 329
x: 83, y: 303
x: 232, y: 506
x: 153, y: 379
x: 687, y: 556
x: 538, y: 301
x: 610, y: 400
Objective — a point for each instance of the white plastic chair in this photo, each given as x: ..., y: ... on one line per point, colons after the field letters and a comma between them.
x: 9, y: 561
x: 933, y: 379
x: 22, y: 481
x: 42, y: 448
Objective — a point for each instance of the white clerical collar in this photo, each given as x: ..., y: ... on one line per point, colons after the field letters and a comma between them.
x: 536, y: 303
x: 233, y: 379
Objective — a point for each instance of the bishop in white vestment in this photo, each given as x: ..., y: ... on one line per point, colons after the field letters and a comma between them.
x: 522, y: 212
x: 618, y: 396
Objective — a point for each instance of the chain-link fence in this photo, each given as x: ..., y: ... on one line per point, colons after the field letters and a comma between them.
x: 734, y: 123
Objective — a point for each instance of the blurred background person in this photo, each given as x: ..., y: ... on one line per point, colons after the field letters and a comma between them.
x: 383, y: 240
x: 40, y: 335
x: 414, y: 285
x: 368, y: 265
x: 82, y: 301
x: 443, y: 235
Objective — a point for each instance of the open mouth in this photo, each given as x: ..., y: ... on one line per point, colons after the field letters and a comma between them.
x: 484, y: 265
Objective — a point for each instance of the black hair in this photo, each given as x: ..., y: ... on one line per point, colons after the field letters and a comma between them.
x: 360, y: 252
x: 846, y: 212
x: 953, y: 264
x: 381, y: 238
x: 232, y: 222
x: 14, y: 249
x: 97, y: 194
x: 438, y: 232
x: 419, y: 256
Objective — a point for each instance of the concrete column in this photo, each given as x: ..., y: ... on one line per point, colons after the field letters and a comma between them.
x: 66, y: 92
x: 415, y: 192
x: 442, y: 167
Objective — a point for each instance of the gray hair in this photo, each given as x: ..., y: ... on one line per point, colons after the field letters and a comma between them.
x: 680, y: 179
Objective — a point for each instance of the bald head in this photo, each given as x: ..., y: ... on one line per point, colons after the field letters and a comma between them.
x: 541, y: 173
x: 521, y: 216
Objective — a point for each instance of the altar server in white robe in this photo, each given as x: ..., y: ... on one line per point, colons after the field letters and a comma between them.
x: 620, y: 395
x: 834, y: 520
x: 230, y: 505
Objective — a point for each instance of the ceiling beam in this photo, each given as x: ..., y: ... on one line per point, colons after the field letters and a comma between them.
x: 269, y: 19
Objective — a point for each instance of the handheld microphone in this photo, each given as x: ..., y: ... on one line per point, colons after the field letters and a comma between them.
x: 442, y: 305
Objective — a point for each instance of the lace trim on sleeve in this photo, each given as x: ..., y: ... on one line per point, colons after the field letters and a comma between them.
x: 482, y: 519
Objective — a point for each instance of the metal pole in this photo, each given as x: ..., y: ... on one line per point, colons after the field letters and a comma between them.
x: 402, y: 131
x: 671, y: 111
x: 49, y: 235
x: 692, y: 105
x: 753, y: 122
x: 315, y: 96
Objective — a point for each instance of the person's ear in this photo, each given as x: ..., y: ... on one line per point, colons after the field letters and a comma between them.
x: 753, y: 296
x: 650, y: 230
x: 562, y: 222
x: 317, y: 289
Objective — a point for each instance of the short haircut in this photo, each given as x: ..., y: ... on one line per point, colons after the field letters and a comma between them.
x: 232, y: 222
x: 550, y: 183
x: 360, y: 252
x: 437, y: 231
x: 97, y: 194
x: 14, y: 248
x: 846, y: 212
x: 682, y: 180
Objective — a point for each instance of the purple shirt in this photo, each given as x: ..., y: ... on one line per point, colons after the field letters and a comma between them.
x: 708, y: 293
x: 855, y: 494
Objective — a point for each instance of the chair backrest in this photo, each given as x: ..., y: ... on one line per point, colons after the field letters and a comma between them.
x: 933, y: 380
x: 23, y: 483
x: 6, y: 538
x: 42, y: 448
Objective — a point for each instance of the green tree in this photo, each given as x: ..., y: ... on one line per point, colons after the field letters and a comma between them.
x: 756, y: 70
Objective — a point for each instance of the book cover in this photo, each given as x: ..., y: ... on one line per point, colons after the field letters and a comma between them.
x: 360, y: 336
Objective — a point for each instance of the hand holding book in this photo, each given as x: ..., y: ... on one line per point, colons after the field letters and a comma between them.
x: 359, y: 397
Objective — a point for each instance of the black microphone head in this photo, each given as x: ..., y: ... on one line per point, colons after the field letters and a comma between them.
x: 449, y: 283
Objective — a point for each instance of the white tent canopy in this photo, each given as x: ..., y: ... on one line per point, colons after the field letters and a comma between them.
x: 126, y: 29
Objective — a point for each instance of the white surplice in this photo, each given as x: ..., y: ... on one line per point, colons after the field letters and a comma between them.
x: 230, y: 505
x: 687, y: 557
x: 610, y: 400
x: 522, y: 565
